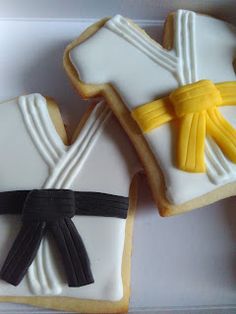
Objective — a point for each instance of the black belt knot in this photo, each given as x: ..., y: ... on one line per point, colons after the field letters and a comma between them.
x: 42, y: 211
x: 48, y: 205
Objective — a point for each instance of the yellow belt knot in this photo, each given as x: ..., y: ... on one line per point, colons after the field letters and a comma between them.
x: 195, y: 108
x: 195, y: 97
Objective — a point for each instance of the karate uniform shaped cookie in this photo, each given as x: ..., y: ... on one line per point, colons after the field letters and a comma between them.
x: 116, y: 59
x: 100, y: 160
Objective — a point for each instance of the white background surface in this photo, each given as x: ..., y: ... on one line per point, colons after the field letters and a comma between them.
x: 185, y: 262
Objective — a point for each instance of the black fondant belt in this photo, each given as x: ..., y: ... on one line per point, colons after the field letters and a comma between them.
x: 52, y: 210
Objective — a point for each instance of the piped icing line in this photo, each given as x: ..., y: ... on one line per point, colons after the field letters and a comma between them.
x: 126, y: 30
x: 83, y: 145
x: 185, y: 45
x: 218, y: 167
x: 193, y: 51
x: 41, y: 120
x: 41, y: 275
x: 48, y: 127
x: 31, y: 107
x: 40, y: 145
x: 70, y: 164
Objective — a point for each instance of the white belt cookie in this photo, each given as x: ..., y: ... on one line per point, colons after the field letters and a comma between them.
x: 175, y: 102
x: 66, y: 211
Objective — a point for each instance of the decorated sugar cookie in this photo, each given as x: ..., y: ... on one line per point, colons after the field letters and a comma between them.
x: 175, y: 102
x: 66, y: 211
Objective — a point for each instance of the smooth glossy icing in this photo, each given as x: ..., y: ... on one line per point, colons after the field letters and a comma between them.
x: 142, y: 71
x: 39, y: 159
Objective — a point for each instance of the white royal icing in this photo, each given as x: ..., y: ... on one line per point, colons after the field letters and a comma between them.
x: 101, y: 159
x: 141, y: 71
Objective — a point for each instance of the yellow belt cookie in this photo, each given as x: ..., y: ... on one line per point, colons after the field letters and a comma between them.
x: 194, y: 106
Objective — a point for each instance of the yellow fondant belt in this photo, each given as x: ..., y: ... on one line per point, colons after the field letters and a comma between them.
x: 195, y: 109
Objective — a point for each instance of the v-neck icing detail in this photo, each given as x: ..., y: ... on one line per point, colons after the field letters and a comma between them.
x: 71, y: 162
x: 40, y: 127
x: 185, y: 45
x: 123, y: 28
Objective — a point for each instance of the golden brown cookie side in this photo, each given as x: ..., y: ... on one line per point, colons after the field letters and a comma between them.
x: 57, y: 120
x: 168, y: 33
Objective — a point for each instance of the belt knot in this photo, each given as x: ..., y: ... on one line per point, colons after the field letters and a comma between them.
x: 195, y: 97
x: 48, y: 210
x: 48, y: 205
